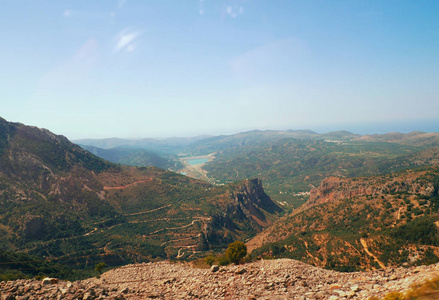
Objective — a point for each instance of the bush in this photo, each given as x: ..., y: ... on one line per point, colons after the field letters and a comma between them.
x: 100, y: 266
x: 422, y: 230
x: 209, y: 260
x: 236, y: 251
x: 223, y: 260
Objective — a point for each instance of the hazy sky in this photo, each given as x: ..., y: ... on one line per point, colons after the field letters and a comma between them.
x: 151, y: 68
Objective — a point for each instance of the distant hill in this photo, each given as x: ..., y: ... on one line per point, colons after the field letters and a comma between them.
x: 418, y: 138
x: 290, y: 167
x: 167, y: 145
x: 136, y: 157
x: 63, y: 203
x: 256, y: 138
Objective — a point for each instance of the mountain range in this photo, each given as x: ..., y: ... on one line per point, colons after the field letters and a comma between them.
x: 337, y: 200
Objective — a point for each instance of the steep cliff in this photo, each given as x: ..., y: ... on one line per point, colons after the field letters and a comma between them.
x: 249, y: 210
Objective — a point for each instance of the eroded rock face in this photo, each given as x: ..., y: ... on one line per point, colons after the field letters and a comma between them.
x: 251, y: 209
x: 252, y: 196
x: 269, y: 279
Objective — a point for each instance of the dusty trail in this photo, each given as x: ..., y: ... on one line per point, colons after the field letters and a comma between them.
x: 125, y: 186
x: 147, y: 211
x: 363, y: 242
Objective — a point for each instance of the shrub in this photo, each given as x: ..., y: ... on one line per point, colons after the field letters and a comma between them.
x: 223, y: 260
x: 422, y: 230
x: 236, y: 251
x: 209, y: 260
x: 100, y: 266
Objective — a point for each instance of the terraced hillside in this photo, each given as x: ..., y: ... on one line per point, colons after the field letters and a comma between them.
x: 61, y: 202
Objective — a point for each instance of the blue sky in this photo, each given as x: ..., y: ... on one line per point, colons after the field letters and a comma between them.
x: 160, y: 68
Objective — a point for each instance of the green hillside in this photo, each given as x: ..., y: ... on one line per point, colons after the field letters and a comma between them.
x: 61, y: 203
x: 290, y: 167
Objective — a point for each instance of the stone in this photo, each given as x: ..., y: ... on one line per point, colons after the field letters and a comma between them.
x: 241, y: 271
x: 48, y: 280
x: 214, y: 268
x: 269, y: 279
x: 88, y: 296
x: 355, y: 288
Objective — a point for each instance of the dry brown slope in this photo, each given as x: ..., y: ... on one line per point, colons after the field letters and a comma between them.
x: 345, y: 210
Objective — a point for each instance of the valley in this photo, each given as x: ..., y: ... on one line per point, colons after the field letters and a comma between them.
x: 295, y: 165
x: 60, y: 202
x: 193, y: 166
x: 219, y: 149
x: 337, y: 201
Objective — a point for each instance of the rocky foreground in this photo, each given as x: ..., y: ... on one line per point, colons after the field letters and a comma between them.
x: 266, y: 279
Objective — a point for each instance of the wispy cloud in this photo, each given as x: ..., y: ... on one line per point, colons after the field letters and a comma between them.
x: 95, y: 16
x: 67, y: 13
x: 201, y: 10
x: 265, y: 61
x: 121, y: 3
x: 126, y: 40
x: 71, y: 77
x: 88, y: 51
x: 234, y: 10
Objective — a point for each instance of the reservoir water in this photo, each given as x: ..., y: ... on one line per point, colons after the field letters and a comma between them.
x: 197, y: 161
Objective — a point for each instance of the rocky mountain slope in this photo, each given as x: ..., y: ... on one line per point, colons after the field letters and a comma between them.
x: 267, y: 279
x: 61, y: 202
x: 361, y: 223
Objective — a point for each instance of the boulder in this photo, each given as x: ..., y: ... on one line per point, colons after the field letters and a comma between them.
x: 48, y: 280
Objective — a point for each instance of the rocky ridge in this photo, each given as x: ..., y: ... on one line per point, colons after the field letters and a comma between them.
x: 336, y: 188
x: 266, y: 279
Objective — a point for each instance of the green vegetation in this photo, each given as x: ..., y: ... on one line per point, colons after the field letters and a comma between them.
x: 17, y: 265
x: 71, y: 211
x: 421, y: 230
x: 75, y: 210
x: 290, y: 163
x: 100, y: 267
x: 291, y: 166
x: 209, y: 260
x: 236, y: 251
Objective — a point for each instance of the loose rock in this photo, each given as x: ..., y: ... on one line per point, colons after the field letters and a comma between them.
x: 267, y: 279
